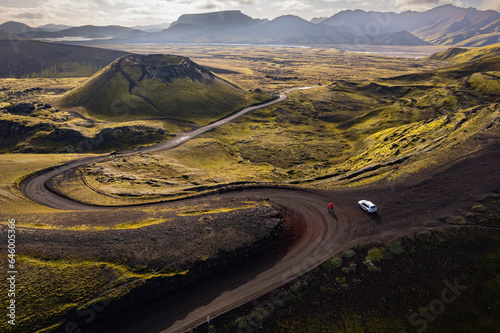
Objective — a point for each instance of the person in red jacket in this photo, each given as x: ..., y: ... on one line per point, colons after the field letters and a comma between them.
x: 330, y: 207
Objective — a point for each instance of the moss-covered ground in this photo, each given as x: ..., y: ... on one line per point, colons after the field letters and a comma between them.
x: 49, y: 290
x: 443, y: 280
x: 122, y: 91
x: 347, y: 133
x: 71, y: 263
x: 15, y: 168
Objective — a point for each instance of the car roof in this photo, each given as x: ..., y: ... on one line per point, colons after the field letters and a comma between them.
x: 366, y: 202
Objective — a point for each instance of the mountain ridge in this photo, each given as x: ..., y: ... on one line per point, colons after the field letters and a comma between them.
x: 443, y: 25
x: 231, y: 20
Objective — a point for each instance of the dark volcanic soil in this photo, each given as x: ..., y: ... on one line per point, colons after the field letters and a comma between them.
x: 176, y: 244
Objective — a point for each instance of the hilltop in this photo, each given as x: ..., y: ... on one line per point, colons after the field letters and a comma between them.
x: 17, y: 27
x: 157, y: 86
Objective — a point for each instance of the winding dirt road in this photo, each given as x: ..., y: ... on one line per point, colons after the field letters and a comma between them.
x: 319, y: 237
x: 404, y: 208
x: 36, y: 189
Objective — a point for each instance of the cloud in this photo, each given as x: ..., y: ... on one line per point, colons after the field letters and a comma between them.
x: 123, y: 12
x: 242, y: 2
x: 291, y: 5
x: 341, y: 1
x: 28, y: 15
x: 214, y: 5
x: 209, y: 5
x: 490, y: 5
x: 418, y: 5
x: 105, y: 12
x: 434, y: 2
x: 325, y: 10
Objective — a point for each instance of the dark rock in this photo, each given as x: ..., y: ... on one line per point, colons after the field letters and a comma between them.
x: 20, y: 108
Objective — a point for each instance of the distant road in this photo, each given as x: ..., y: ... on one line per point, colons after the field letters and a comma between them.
x: 188, y: 136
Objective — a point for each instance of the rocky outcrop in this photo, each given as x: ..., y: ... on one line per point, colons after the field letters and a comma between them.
x: 166, y: 68
x: 47, y: 137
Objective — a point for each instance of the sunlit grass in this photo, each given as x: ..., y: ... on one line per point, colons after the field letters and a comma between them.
x: 14, y: 168
x: 48, y: 290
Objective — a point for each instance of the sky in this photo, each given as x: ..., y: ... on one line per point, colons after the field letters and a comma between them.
x: 148, y: 12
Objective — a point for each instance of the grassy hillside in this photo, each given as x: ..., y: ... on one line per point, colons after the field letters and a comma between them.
x: 158, y: 86
x: 30, y: 123
x: 27, y: 58
x: 458, y: 54
x: 393, y: 287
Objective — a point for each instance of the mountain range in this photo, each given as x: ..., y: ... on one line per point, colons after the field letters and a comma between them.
x: 444, y: 25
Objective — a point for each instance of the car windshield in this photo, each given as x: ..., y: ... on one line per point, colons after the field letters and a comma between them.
x: 373, y: 207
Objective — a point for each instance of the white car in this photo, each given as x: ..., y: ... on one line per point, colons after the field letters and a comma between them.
x: 367, y: 206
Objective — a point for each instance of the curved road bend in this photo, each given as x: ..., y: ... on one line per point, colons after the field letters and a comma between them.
x: 319, y: 238
x: 303, y: 255
x: 37, y: 190
x: 321, y: 235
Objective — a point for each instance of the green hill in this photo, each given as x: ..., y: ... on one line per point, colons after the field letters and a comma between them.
x: 158, y: 86
x: 28, y: 58
x: 460, y: 55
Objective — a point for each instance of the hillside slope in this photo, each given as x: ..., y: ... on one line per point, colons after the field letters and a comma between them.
x: 157, y: 86
x: 26, y: 58
x: 459, y: 54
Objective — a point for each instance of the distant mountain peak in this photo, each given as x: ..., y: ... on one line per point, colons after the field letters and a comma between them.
x: 230, y: 20
x: 289, y: 17
x: 16, y: 27
x: 317, y: 20
x: 54, y: 27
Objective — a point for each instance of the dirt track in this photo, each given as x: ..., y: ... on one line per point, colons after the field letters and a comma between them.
x: 405, y: 208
